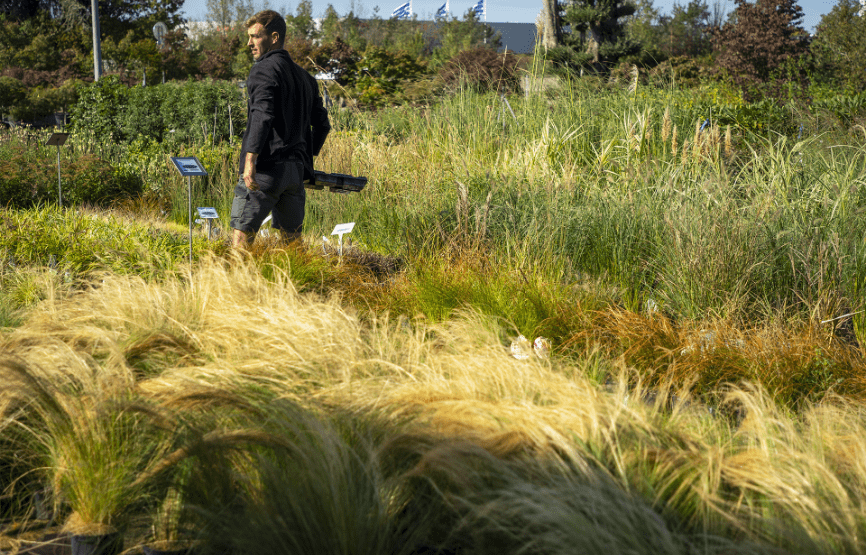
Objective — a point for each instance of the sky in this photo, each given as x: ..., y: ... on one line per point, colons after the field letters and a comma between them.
x: 501, y: 11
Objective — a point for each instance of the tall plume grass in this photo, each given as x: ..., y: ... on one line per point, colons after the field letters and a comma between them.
x: 567, y: 172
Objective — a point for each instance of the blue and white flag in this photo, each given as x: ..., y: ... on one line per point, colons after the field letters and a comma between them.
x: 479, y: 7
x: 443, y: 11
x: 402, y: 11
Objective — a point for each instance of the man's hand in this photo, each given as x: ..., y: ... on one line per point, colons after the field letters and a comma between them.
x: 250, y: 172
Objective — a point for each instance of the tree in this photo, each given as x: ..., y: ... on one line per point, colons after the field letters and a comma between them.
x: 228, y: 13
x: 758, y: 41
x: 301, y: 25
x: 20, y: 9
x: 450, y: 38
x: 331, y: 25
x: 118, y: 17
x: 689, y: 31
x: 12, y: 92
x: 643, y: 27
x: 39, y: 51
x: 179, y: 56
x: 598, y: 39
x: 140, y: 56
x: 219, y: 62
x: 840, y: 45
x: 550, y: 28
x: 382, y: 74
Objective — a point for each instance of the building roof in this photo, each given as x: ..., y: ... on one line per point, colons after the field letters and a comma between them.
x: 516, y: 37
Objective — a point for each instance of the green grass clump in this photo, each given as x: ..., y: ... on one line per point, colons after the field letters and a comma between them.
x: 81, y: 243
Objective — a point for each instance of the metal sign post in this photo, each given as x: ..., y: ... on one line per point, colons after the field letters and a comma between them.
x: 341, y: 230
x: 189, y: 166
x: 159, y: 31
x: 58, y: 140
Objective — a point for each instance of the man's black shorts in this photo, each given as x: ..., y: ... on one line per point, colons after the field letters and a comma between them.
x: 281, y: 191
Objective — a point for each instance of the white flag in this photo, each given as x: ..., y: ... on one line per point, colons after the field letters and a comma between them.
x: 402, y: 11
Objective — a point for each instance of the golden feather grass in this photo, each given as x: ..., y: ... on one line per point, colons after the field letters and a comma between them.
x: 779, y: 477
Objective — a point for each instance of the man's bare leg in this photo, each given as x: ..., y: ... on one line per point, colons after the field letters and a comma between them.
x: 242, y: 239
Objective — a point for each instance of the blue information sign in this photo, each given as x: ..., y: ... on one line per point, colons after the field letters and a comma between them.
x: 188, y: 165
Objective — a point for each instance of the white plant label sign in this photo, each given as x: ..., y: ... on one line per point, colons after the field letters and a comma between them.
x: 343, y: 228
x: 208, y: 213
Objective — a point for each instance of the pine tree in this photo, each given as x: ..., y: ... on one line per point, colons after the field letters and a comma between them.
x: 598, y: 35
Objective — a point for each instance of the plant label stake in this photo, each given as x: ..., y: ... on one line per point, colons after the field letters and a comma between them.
x: 58, y: 140
x: 209, y: 214
x: 341, y: 230
x: 189, y: 166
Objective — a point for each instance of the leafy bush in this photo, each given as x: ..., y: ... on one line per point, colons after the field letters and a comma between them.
x: 99, y: 109
x: 383, y: 75
x: 763, y: 117
x: 189, y: 111
x: 682, y: 71
x: 482, y: 69
x: 91, y: 180
x: 337, y: 58
x: 23, y: 182
x: 27, y: 180
x: 12, y: 92
x: 845, y: 108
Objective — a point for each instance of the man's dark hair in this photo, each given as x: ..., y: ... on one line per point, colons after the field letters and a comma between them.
x: 272, y: 22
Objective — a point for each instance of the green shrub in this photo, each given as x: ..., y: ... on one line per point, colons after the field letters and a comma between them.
x: 91, y: 180
x: 845, y: 108
x: 22, y: 181
x: 482, y: 69
x: 764, y: 117
x: 383, y: 75
x: 27, y: 180
x: 191, y: 111
x: 12, y: 93
x: 99, y: 108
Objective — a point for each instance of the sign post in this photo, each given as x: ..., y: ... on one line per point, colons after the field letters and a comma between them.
x: 189, y: 166
x: 58, y: 140
x: 208, y: 214
x: 341, y: 230
x: 159, y: 31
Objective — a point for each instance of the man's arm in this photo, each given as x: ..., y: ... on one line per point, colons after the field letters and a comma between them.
x: 263, y: 96
x: 250, y: 171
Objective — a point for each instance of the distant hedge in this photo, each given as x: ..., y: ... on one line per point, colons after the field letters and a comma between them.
x: 26, y: 181
x: 183, y: 112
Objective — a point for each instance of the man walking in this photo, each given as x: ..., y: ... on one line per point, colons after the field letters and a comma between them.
x: 286, y: 126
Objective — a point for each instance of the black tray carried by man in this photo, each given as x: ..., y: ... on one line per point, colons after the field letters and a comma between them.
x: 336, y: 182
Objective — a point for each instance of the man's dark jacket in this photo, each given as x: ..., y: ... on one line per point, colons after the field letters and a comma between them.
x: 285, y: 116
